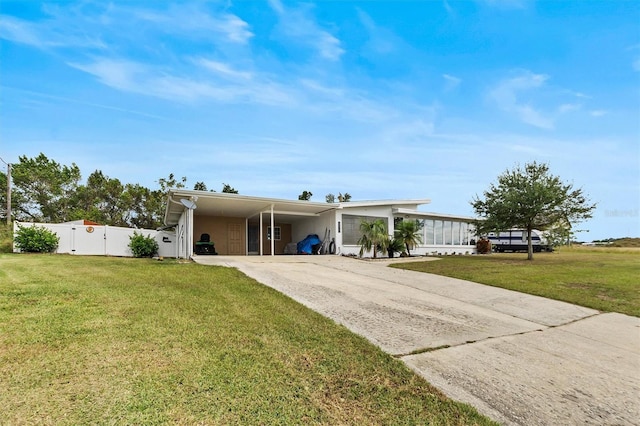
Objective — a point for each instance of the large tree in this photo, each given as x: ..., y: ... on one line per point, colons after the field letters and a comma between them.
x: 43, y: 189
x: 147, y: 206
x: 102, y: 200
x: 530, y: 197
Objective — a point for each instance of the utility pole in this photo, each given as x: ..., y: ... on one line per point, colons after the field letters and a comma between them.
x: 8, y: 195
x: 8, y: 192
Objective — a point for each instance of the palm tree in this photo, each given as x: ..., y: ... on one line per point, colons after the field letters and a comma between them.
x: 409, y: 232
x: 374, y: 235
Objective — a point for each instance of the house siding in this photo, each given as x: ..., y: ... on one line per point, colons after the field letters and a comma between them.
x: 279, y: 245
x: 218, y: 229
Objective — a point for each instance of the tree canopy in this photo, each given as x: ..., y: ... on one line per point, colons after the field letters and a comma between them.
x: 530, y: 197
x: 228, y: 189
x: 46, y: 191
x: 305, y: 196
x: 331, y: 198
x: 41, y: 188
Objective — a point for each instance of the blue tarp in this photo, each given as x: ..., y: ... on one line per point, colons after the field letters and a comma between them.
x: 306, y: 246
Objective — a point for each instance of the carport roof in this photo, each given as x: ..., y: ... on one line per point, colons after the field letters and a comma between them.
x: 235, y: 205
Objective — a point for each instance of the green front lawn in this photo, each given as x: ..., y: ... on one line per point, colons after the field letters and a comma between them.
x: 606, y: 279
x: 95, y: 340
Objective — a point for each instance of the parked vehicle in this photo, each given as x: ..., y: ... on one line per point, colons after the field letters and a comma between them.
x: 516, y: 240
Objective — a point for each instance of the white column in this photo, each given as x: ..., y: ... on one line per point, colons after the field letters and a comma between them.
x: 261, y: 232
x: 273, y: 233
x: 190, y: 233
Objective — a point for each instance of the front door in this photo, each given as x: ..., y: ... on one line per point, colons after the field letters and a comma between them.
x: 235, y: 239
x: 253, y: 240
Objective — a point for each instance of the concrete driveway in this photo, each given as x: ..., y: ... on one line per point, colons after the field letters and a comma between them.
x: 519, y: 359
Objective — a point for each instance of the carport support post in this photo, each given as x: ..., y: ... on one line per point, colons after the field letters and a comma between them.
x: 189, y: 233
x: 260, y: 239
x: 273, y: 233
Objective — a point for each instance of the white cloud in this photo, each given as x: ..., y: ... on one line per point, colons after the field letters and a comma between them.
x: 20, y: 31
x: 119, y: 74
x: 525, y: 149
x: 134, y: 77
x: 235, y: 28
x: 329, y: 46
x: 409, y: 132
x: 447, y: 7
x: 565, y: 108
x: 321, y: 89
x: 192, y: 21
x: 384, y: 42
x: 530, y: 116
x: 223, y: 82
x: 277, y: 6
x: 451, y: 82
x: 223, y: 69
x: 46, y: 34
x: 635, y: 63
x: 300, y: 28
x: 598, y: 113
x: 506, y: 4
x: 507, y: 96
x: 114, y: 26
x: 581, y: 95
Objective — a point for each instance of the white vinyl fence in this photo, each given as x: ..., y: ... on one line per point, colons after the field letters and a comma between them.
x: 102, y: 240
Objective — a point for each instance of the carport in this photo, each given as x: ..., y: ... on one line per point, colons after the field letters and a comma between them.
x: 243, y: 225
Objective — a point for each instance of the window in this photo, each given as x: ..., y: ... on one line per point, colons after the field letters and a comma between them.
x: 429, y: 232
x: 455, y: 231
x: 351, y: 227
x: 464, y: 233
x: 447, y: 228
x: 276, y: 234
x: 438, y: 231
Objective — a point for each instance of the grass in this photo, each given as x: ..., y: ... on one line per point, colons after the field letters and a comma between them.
x: 606, y: 279
x: 6, y: 238
x: 96, y: 340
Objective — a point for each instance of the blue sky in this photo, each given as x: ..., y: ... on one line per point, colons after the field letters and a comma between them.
x: 381, y: 99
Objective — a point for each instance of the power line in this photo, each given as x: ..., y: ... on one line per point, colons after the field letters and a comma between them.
x: 4, y: 161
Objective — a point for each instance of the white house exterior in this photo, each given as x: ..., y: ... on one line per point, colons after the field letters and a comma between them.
x: 242, y: 225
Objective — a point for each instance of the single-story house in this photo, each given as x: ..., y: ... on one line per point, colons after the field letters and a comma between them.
x: 246, y: 225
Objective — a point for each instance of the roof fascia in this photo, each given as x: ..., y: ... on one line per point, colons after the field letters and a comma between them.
x: 268, y: 201
x: 417, y: 213
x: 381, y: 203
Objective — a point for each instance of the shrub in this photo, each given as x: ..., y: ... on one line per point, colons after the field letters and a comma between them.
x: 36, y: 239
x: 395, y: 245
x: 483, y: 246
x: 142, y: 246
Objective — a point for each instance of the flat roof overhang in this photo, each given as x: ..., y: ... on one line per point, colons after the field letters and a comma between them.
x: 236, y: 205
x: 415, y: 214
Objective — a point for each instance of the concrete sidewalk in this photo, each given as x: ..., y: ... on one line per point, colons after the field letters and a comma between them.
x: 520, y: 359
